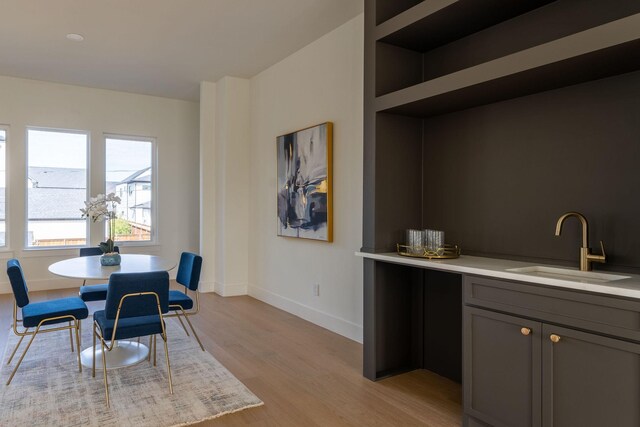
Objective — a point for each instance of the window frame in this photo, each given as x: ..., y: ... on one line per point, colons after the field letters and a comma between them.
x: 153, y: 241
x: 7, y: 239
x: 87, y: 133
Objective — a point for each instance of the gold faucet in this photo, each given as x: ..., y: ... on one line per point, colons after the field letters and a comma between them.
x: 586, y: 257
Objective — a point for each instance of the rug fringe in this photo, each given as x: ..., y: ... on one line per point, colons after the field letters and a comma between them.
x: 233, y: 411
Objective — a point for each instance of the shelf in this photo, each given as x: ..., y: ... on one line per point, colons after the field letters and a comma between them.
x: 434, y: 23
x: 404, y: 58
x: 388, y: 9
x: 602, y: 51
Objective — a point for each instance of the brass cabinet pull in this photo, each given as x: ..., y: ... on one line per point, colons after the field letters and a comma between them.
x: 525, y: 331
x: 554, y: 338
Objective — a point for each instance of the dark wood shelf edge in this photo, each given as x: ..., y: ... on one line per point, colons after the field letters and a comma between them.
x: 554, y: 76
x: 576, y: 57
x: 437, y: 22
x: 410, y: 16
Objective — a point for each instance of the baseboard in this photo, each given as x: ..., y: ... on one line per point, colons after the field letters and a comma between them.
x: 334, y: 324
x: 230, y: 289
x: 207, y: 286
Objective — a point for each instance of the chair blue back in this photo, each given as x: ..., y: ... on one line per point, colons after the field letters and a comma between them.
x: 189, y: 270
x: 18, y: 284
x: 95, y: 250
x: 121, y: 284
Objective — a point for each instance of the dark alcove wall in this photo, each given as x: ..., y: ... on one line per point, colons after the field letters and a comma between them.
x: 497, y: 177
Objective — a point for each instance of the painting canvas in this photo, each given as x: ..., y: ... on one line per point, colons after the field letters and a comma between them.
x: 304, y: 183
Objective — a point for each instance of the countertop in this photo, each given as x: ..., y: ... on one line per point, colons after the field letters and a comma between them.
x: 493, y: 267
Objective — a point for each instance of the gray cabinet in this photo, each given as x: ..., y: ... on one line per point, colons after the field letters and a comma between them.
x: 524, y: 371
x: 589, y: 380
x: 502, y: 368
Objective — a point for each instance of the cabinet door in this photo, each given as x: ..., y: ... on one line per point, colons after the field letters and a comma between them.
x: 502, y: 368
x: 589, y: 380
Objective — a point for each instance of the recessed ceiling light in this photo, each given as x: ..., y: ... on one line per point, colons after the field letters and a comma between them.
x: 75, y: 37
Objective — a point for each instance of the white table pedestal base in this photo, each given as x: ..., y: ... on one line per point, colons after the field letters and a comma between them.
x: 125, y: 353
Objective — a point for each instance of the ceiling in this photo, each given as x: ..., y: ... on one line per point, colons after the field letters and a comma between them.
x: 158, y: 47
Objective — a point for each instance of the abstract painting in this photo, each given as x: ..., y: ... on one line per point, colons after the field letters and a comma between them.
x: 304, y: 183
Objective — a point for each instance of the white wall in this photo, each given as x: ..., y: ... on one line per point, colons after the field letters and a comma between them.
x: 321, y: 82
x: 173, y: 123
x: 224, y: 185
x: 208, y: 203
x: 232, y: 186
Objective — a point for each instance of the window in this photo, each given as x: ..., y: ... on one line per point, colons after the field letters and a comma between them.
x: 56, y: 187
x: 3, y: 185
x: 129, y: 174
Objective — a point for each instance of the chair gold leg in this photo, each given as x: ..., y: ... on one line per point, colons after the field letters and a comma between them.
x: 71, y: 336
x: 77, y: 328
x: 94, y: 350
x: 182, y: 323
x: 150, y: 347
x: 155, y: 349
x: 166, y: 354
x: 23, y: 354
x: 194, y: 332
x: 16, y: 347
x: 104, y: 371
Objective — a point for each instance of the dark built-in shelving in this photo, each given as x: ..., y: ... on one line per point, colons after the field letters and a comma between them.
x: 407, y: 59
x: 604, y: 51
x: 431, y: 24
x: 424, y: 62
x: 489, y: 119
x: 385, y: 10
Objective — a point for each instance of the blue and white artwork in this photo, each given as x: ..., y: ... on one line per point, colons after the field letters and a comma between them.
x: 304, y: 183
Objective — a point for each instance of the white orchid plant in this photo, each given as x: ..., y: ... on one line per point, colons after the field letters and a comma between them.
x: 103, y: 207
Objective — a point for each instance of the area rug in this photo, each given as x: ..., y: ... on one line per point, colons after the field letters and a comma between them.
x: 48, y: 390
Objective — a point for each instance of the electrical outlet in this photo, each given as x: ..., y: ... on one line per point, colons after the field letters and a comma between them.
x: 316, y: 289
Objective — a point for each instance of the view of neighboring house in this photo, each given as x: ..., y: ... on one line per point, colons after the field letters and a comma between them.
x: 135, y: 195
x: 52, y: 223
x: 48, y: 218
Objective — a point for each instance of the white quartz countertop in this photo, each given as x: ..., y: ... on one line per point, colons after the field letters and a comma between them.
x: 493, y: 267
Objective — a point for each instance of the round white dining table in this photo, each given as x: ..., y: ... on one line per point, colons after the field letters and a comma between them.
x: 89, y: 267
x: 124, y: 353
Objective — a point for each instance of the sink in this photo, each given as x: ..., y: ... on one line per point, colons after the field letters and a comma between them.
x: 567, y: 274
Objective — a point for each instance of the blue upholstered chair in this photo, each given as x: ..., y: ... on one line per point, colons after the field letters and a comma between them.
x: 179, y: 302
x: 134, y: 308
x: 42, y: 314
x: 94, y: 292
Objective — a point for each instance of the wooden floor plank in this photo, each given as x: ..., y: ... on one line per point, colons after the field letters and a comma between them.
x: 306, y: 375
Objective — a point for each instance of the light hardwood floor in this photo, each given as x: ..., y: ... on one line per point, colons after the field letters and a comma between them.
x: 304, y: 374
